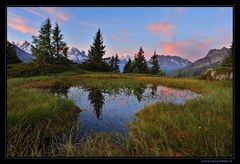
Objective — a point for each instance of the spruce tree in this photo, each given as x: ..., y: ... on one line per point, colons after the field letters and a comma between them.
x: 140, y: 63
x: 59, y: 46
x: 128, y: 67
x: 96, y: 53
x: 42, y: 45
x: 11, y: 54
x: 155, y: 66
x: 111, y: 63
x: 116, y: 64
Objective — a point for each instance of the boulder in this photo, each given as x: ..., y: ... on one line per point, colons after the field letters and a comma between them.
x: 231, y: 76
x: 213, y: 74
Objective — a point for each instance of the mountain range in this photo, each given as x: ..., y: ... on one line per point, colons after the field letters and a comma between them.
x: 213, y: 59
x: 24, y: 53
x: 171, y: 65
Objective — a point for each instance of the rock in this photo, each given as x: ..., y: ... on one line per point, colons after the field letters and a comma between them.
x: 231, y: 76
x: 222, y: 77
x: 213, y: 74
x: 226, y: 76
x: 208, y: 70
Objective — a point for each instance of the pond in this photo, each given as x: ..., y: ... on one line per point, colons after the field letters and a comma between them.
x: 111, y: 111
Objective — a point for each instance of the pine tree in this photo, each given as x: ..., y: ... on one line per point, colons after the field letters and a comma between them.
x: 155, y: 66
x: 140, y: 63
x: 111, y: 63
x: 128, y: 67
x: 59, y: 46
x: 116, y: 64
x: 42, y: 45
x: 96, y: 53
x: 11, y: 54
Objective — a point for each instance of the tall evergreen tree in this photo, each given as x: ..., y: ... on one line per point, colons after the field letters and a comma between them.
x: 116, y: 64
x: 111, y: 63
x: 140, y: 63
x: 96, y: 53
x: 128, y: 67
x: 155, y: 66
x: 59, y: 46
x: 42, y: 45
x: 11, y: 54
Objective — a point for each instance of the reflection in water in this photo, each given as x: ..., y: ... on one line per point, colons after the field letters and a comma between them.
x: 153, y: 90
x: 97, y: 100
x: 138, y: 92
x: 112, y: 110
x: 59, y: 90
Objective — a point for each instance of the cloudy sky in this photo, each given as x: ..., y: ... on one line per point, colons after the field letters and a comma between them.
x: 189, y: 32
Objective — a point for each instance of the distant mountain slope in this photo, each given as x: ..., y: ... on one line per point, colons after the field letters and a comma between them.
x: 213, y: 58
x: 24, y: 53
x: 169, y: 63
x: 26, y: 46
x: 76, y: 56
x: 11, y: 54
x: 122, y: 64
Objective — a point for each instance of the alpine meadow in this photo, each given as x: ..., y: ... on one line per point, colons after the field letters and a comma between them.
x: 119, y: 82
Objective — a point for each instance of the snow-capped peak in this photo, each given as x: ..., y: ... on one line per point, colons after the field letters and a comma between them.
x: 25, y: 46
x: 75, y: 55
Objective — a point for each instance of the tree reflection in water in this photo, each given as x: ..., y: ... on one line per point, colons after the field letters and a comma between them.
x: 60, y: 89
x: 96, y: 98
x: 153, y: 90
x: 138, y: 92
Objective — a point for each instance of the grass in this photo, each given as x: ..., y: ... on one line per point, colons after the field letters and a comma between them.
x: 28, y: 70
x: 202, y: 127
x: 33, y: 120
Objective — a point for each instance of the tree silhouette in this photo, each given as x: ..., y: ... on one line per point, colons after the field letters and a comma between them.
x: 140, y: 63
x: 128, y: 67
x: 97, y: 100
x: 155, y: 65
x: 96, y: 53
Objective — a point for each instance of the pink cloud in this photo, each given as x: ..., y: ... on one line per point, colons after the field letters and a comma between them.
x: 190, y: 48
x: 193, y: 49
x: 161, y: 27
x: 57, y: 13
x: 35, y: 11
x: 123, y: 35
x: 20, y: 24
x: 114, y: 37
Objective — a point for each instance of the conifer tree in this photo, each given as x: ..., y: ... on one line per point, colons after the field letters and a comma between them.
x: 42, y: 45
x: 59, y: 46
x: 116, y: 64
x: 155, y: 66
x: 111, y: 63
x: 128, y: 67
x: 140, y: 63
x: 96, y: 53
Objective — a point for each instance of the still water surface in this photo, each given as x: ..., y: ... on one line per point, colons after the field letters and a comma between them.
x: 104, y: 111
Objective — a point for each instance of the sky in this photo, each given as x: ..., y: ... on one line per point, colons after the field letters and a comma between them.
x: 188, y: 32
